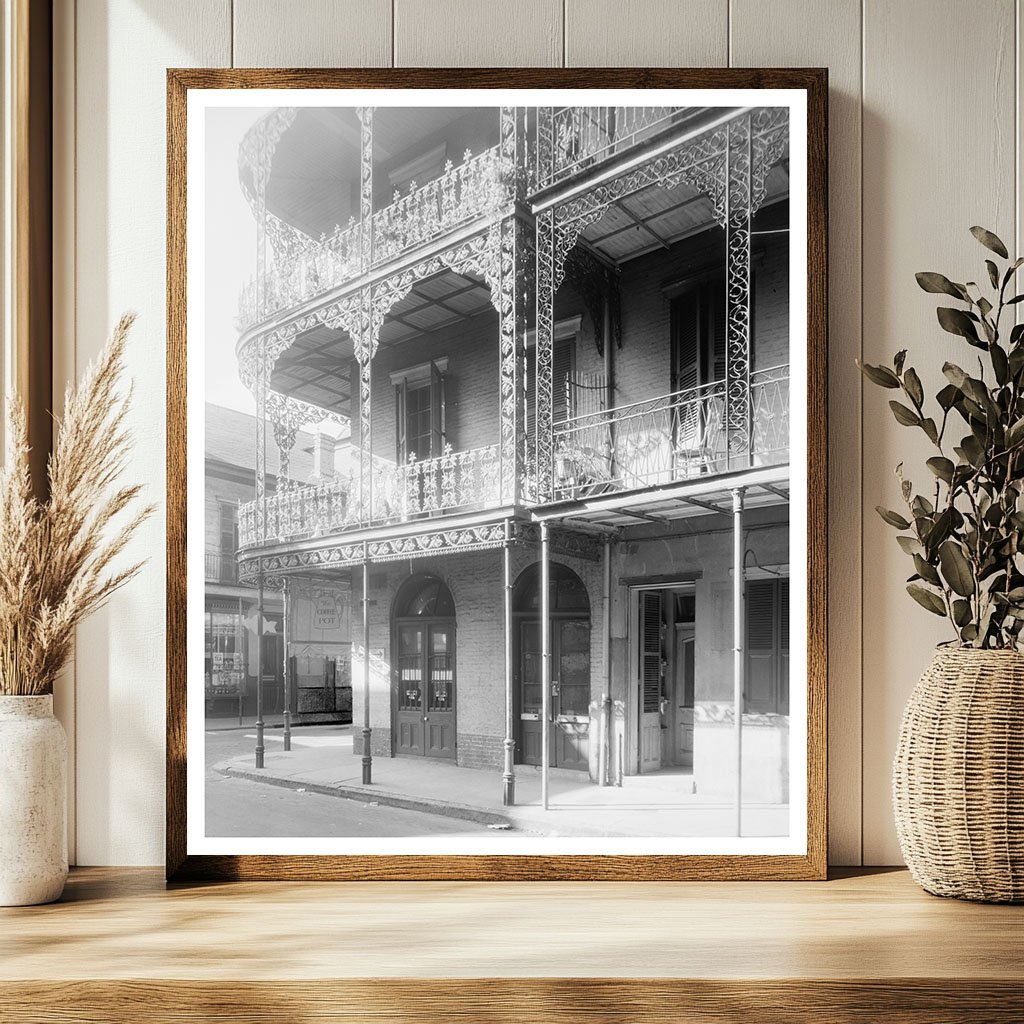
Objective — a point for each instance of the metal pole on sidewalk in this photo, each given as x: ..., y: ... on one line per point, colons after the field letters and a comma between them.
x: 259, y: 673
x: 367, y: 756
x: 738, y: 644
x: 606, y: 697
x: 508, y: 774
x: 287, y: 673
x: 545, y: 648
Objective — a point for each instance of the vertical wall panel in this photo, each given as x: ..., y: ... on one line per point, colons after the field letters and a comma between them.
x: 122, y: 53
x: 646, y: 33
x: 64, y: 335
x: 469, y: 33
x: 312, y: 33
x: 791, y: 33
x: 939, y: 155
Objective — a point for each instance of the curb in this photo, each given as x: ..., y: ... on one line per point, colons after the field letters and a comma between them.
x: 364, y: 795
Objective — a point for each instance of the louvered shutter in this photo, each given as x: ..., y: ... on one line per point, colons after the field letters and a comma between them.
x: 563, y: 360
x: 716, y: 329
x: 401, y: 421
x: 650, y: 650
x: 686, y: 348
x: 563, y: 363
x: 762, y: 629
x: 437, y: 411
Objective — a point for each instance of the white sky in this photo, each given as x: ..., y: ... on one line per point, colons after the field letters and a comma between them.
x: 230, y: 252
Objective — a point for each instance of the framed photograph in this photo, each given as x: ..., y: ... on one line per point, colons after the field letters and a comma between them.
x: 497, y: 432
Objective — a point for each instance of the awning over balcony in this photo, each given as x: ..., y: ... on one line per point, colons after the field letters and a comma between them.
x: 765, y: 486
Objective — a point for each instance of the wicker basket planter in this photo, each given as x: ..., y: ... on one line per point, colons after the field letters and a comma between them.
x: 958, y: 776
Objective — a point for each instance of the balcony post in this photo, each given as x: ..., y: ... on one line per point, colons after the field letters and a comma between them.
x: 284, y: 438
x: 545, y: 660
x: 367, y: 755
x: 511, y: 347
x: 508, y: 774
x: 365, y: 187
x: 546, y: 285
x: 738, y: 164
x: 259, y: 672
x: 364, y: 354
x: 287, y: 678
x: 261, y: 441
x: 738, y: 643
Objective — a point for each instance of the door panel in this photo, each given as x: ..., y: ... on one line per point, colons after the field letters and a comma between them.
x: 409, y: 698
x: 683, y: 699
x: 650, y: 681
x: 572, y: 707
x: 570, y: 694
x: 439, y: 719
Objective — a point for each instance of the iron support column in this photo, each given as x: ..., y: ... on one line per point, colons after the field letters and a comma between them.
x: 738, y: 644
x: 607, y: 719
x: 367, y: 756
x: 508, y: 774
x: 545, y: 647
x: 259, y: 673
x: 287, y: 674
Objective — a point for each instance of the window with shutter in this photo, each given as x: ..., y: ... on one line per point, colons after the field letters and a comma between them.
x: 420, y: 414
x: 698, y: 335
x: 767, y: 615
x: 562, y: 365
x: 650, y: 650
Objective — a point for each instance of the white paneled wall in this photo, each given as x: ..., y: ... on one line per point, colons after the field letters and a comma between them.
x: 925, y: 141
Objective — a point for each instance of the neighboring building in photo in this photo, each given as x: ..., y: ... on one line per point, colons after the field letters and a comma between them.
x: 561, y: 337
x: 319, y: 637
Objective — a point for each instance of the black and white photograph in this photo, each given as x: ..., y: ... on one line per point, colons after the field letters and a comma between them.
x: 497, y: 450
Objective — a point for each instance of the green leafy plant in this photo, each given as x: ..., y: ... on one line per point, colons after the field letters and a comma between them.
x: 965, y: 530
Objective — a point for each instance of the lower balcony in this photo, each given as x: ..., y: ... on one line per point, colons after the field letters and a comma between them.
x: 461, y: 481
x: 670, y: 439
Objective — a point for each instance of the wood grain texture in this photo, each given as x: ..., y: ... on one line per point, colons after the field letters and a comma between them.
x: 790, y: 32
x: 648, y: 33
x: 312, y: 33
x: 121, y: 51
x: 811, y: 865
x: 467, y: 33
x: 938, y: 157
x: 121, y: 947
x: 511, y: 1001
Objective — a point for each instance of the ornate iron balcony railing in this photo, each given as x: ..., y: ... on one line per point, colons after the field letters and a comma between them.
x: 473, y: 189
x: 664, y: 440
x: 452, y: 482
x: 221, y: 567
x: 572, y: 138
x: 302, y: 267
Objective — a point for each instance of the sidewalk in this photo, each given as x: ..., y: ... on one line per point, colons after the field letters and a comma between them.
x: 232, y: 724
x: 661, y: 804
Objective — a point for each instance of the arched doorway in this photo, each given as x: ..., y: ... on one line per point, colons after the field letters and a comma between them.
x: 423, y: 674
x: 569, y: 734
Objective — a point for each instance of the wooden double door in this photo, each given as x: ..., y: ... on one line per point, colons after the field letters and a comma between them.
x: 423, y: 688
x: 569, y: 720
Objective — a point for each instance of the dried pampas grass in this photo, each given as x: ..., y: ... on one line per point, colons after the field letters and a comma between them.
x: 56, y: 556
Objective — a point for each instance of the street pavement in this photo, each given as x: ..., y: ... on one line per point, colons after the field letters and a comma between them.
x: 239, y: 807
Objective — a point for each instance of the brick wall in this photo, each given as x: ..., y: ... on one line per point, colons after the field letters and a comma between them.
x: 471, y: 383
x: 476, y: 582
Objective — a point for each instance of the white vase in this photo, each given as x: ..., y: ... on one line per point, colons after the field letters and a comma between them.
x: 33, y: 798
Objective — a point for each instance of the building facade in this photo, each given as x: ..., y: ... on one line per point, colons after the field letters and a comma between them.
x: 560, y: 340
x: 318, y: 630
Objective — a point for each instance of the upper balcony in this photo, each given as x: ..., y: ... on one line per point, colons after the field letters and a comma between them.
x: 573, y: 140
x: 342, y: 201
x: 671, y: 439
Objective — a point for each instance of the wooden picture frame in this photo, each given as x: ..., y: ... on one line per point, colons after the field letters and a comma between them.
x: 811, y: 861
